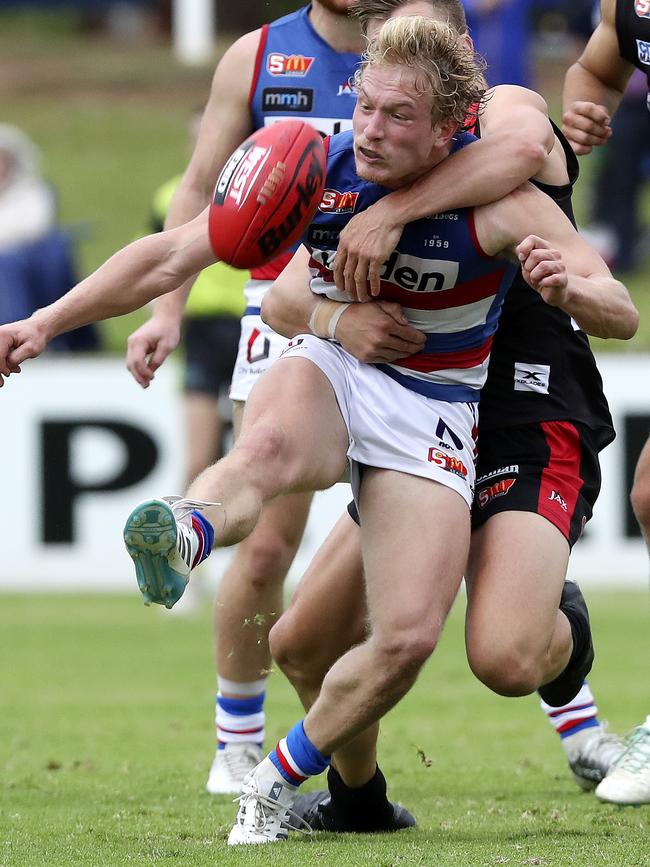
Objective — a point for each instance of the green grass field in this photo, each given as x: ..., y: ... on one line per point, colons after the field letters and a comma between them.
x: 106, y: 736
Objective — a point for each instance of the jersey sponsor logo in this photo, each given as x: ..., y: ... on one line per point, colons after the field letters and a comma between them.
x: 492, y: 492
x: 348, y: 88
x: 239, y: 173
x: 642, y: 8
x: 288, y: 64
x: 512, y: 470
x: 317, y: 235
x: 325, y: 125
x: 407, y: 272
x: 447, y: 462
x: 532, y: 377
x: 643, y: 51
x: 287, y: 99
x: 556, y: 497
x: 334, y: 202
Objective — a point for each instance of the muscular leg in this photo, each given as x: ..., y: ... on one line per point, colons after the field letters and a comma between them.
x: 516, y: 637
x: 640, y: 495
x: 327, y: 616
x: 293, y: 439
x: 250, y: 594
x: 403, y: 549
x: 249, y: 599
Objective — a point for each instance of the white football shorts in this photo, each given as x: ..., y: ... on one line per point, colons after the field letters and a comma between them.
x: 259, y: 346
x: 390, y: 426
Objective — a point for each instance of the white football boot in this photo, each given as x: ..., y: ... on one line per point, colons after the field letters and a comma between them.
x: 591, y: 754
x: 231, y: 766
x: 160, y: 538
x: 265, y: 807
x: 629, y: 780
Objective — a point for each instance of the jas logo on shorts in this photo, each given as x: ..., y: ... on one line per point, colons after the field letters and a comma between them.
x: 643, y: 51
x: 556, y: 497
x: 334, y: 202
x: 448, y: 462
x: 498, y: 489
x: 288, y: 64
x: 642, y: 8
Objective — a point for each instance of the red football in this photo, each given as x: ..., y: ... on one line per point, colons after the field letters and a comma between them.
x: 267, y: 193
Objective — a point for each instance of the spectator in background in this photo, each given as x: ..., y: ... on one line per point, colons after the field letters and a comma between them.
x: 501, y: 32
x: 27, y: 202
x: 36, y: 256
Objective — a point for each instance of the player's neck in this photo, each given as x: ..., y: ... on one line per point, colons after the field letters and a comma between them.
x: 339, y: 31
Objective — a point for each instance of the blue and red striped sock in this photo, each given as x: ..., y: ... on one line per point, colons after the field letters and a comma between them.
x: 240, y: 720
x: 577, y: 715
x: 296, y: 758
x: 205, y: 534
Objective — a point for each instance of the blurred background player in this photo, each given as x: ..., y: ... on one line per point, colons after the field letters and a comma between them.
x: 593, y: 90
x: 210, y: 339
x: 299, y: 66
x: 502, y: 33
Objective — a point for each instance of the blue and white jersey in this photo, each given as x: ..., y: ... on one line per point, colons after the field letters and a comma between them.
x: 299, y: 75
x: 448, y: 286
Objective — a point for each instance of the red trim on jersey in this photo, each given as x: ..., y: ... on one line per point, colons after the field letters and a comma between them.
x: 560, y: 481
x: 272, y: 269
x: 326, y: 146
x: 426, y: 362
x: 258, y: 62
x: 463, y: 293
x: 473, y: 115
x: 472, y: 233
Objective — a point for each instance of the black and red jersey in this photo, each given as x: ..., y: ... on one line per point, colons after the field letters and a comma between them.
x: 542, y: 367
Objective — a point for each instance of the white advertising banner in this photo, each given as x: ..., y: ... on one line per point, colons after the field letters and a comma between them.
x: 81, y: 443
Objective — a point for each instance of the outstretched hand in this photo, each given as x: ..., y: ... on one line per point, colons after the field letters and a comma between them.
x: 18, y: 342
x: 149, y: 346
x: 586, y: 125
x: 543, y: 269
x: 363, y: 247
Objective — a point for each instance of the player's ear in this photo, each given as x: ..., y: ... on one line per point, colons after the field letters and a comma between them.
x: 444, y: 130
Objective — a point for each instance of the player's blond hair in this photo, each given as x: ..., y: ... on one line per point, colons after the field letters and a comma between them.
x: 444, y: 67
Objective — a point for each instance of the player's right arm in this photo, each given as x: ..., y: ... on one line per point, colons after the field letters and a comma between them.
x: 373, y: 333
x: 594, y: 86
x: 226, y: 122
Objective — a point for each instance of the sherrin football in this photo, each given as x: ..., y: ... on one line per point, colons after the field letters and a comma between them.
x: 267, y: 193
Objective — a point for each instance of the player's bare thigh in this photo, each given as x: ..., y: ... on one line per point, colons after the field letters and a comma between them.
x: 516, y: 571
x: 327, y: 614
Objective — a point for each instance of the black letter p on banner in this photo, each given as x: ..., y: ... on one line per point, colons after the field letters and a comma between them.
x: 59, y: 489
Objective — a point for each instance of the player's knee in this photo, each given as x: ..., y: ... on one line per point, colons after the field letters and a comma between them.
x: 402, y: 653
x: 640, y: 499
x: 265, y: 559
x: 296, y: 651
x: 505, y: 669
